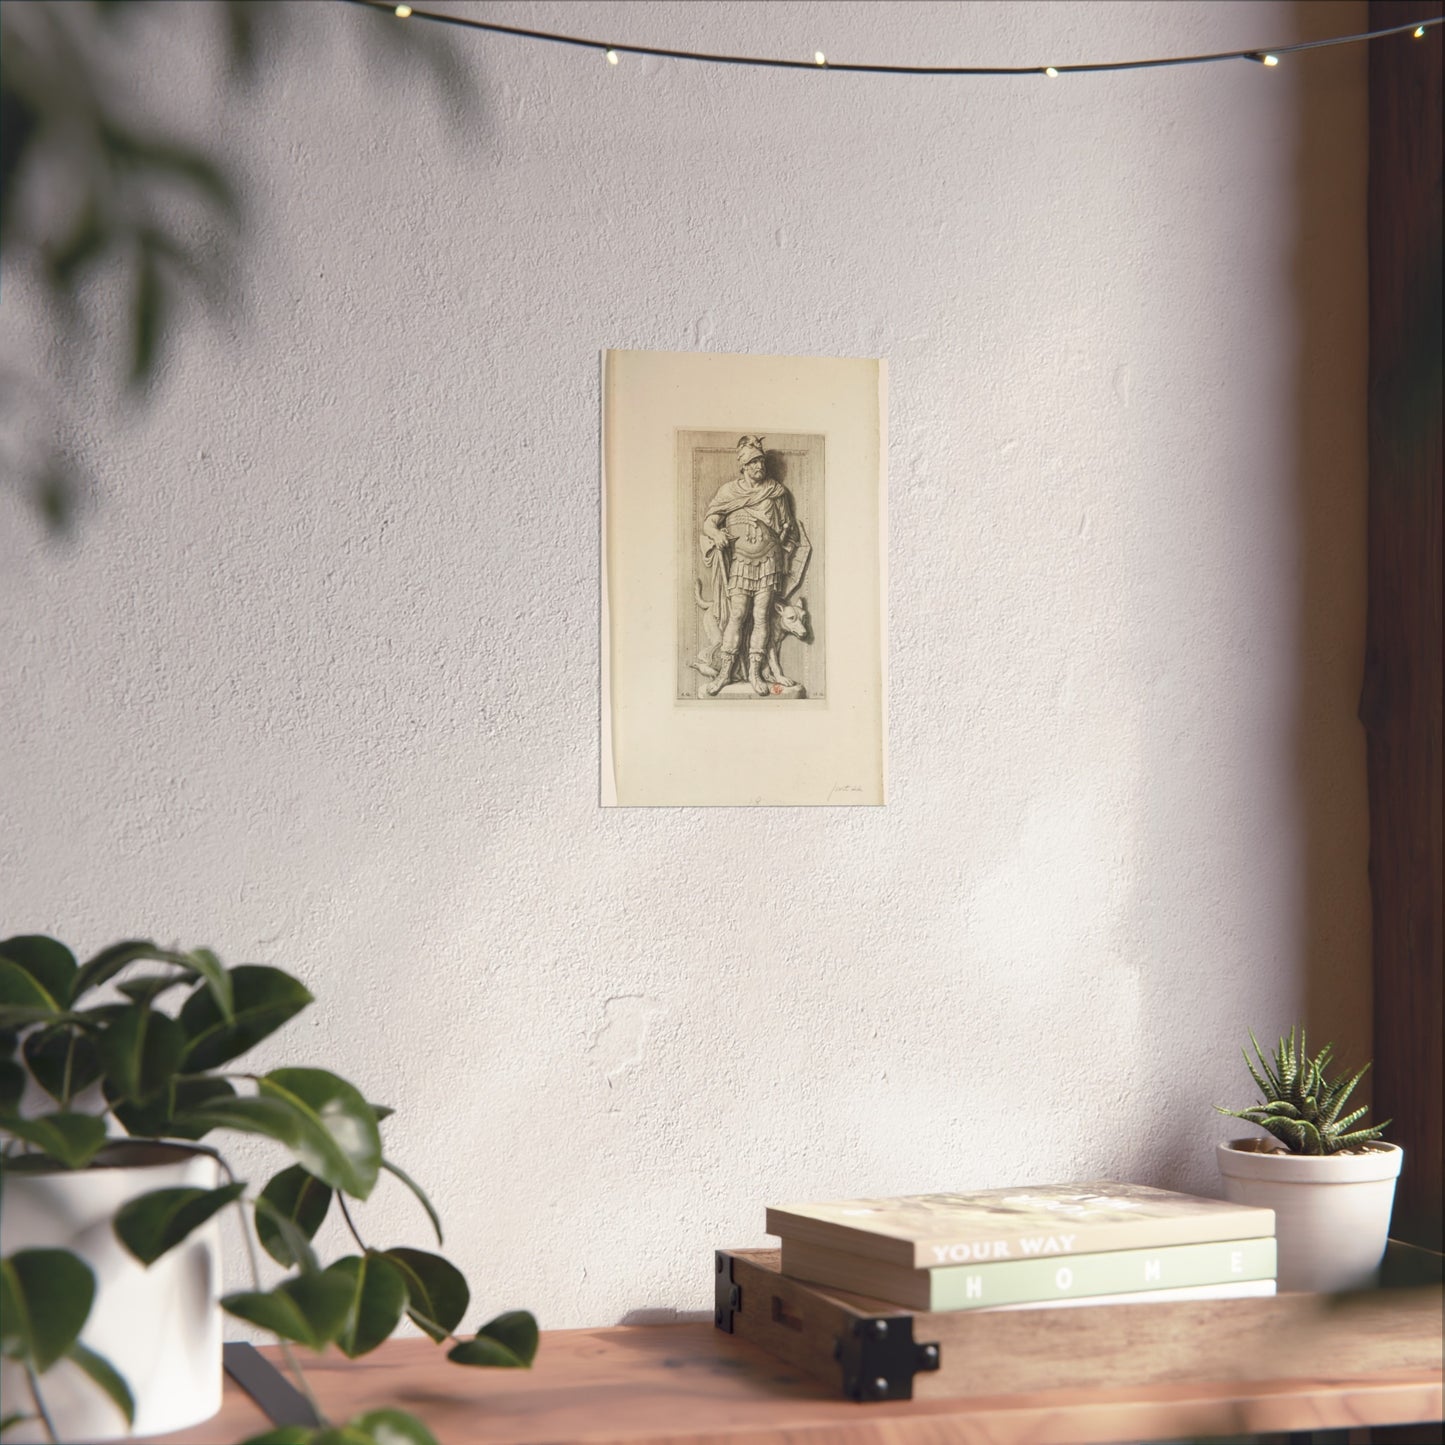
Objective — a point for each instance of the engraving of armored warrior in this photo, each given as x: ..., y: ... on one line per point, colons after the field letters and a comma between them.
x: 754, y: 551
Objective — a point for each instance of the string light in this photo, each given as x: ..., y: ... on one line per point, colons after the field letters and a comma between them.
x: 1260, y: 56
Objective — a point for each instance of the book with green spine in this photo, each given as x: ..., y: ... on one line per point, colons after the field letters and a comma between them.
x: 923, y: 1231
x: 1034, y: 1281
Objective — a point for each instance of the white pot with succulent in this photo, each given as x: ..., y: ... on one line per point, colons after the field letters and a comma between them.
x: 1332, y: 1188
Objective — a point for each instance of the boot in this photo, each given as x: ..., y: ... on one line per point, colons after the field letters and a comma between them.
x: 724, y: 674
x: 755, y: 673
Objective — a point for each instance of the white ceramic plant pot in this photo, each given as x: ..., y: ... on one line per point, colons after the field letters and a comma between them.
x: 160, y: 1327
x: 1331, y: 1211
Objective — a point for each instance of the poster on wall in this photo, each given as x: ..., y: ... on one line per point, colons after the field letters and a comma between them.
x: 742, y: 580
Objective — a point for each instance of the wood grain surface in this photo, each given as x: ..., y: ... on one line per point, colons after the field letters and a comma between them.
x: 694, y: 1385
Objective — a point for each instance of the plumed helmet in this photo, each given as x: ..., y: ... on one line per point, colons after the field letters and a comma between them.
x: 749, y: 449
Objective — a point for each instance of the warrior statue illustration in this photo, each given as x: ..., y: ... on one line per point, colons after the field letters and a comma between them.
x: 754, y: 553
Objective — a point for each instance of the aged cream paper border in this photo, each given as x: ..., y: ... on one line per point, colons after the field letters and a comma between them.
x: 656, y: 751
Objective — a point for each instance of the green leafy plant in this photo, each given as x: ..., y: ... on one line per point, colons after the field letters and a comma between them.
x: 91, y: 189
x: 171, y: 1075
x: 1301, y: 1107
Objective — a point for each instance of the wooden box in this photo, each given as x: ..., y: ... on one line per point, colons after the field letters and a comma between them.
x: 871, y: 1350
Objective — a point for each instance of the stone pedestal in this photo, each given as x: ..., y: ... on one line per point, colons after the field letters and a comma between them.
x: 743, y: 692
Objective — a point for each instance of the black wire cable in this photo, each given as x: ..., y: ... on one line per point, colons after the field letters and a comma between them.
x: 1259, y: 54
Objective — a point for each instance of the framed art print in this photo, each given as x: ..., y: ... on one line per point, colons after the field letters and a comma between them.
x: 743, y: 581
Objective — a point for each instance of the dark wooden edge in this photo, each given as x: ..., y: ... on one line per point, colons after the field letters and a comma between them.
x: 864, y: 1355
x: 279, y: 1400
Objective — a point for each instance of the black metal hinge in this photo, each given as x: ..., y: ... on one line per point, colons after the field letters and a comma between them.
x: 880, y: 1358
x: 727, y: 1296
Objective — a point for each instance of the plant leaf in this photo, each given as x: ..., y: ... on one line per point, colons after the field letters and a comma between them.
x: 46, y: 1297
x: 378, y: 1296
x: 264, y: 998
x: 151, y: 1224
x: 180, y: 161
x: 10, y: 1421
x: 270, y: 1117
x: 23, y: 999
x: 14, y: 1322
x: 73, y: 1139
x: 1360, y: 1136
x: 164, y: 1116
x: 104, y: 1374
x: 296, y: 1243
x: 147, y: 316
x: 517, y: 1330
x: 12, y: 1086
x: 310, y: 1310
x: 437, y: 1293
x: 280, y: 1116
x: 284, y: 1435
x: 210, y: 968
x: 392, y: 1427
x: 109, y: 962
x: 46, y: 1053
x: 298, y: 1197
x: 50, y: 964
x: 416, y: 1189
x: 141, y: 1051
x: 148, y: 989
x: 507, y: 1342
x: 340, y: 1143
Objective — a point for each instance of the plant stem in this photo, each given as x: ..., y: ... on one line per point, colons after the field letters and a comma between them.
x: 69, y: 1067
x: 346, y: 1215
x: 39, y: 1403
x: 291, y: 1361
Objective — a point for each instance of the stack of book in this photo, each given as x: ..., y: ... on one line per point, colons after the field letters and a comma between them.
x: 1030, y: 1247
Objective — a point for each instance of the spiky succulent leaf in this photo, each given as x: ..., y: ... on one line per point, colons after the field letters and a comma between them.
x: 1299, y: 1104
x: 1263, y: 1088
x: 1285, y: 1066
x: 1338, y: 1126
x: 1361, y: 1136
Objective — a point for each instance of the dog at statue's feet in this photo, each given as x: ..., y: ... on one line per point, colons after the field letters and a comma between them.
x: 790, y: 619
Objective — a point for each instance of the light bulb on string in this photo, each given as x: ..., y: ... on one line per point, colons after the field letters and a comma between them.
x: 1260, y: 57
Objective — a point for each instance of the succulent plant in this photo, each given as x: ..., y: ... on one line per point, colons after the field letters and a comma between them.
x: 1301, y: 1107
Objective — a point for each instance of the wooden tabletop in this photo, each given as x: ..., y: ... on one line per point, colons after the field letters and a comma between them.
x: 692, y: 1384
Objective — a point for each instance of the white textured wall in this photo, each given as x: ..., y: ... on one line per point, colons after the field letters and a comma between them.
x: 316, y: 681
